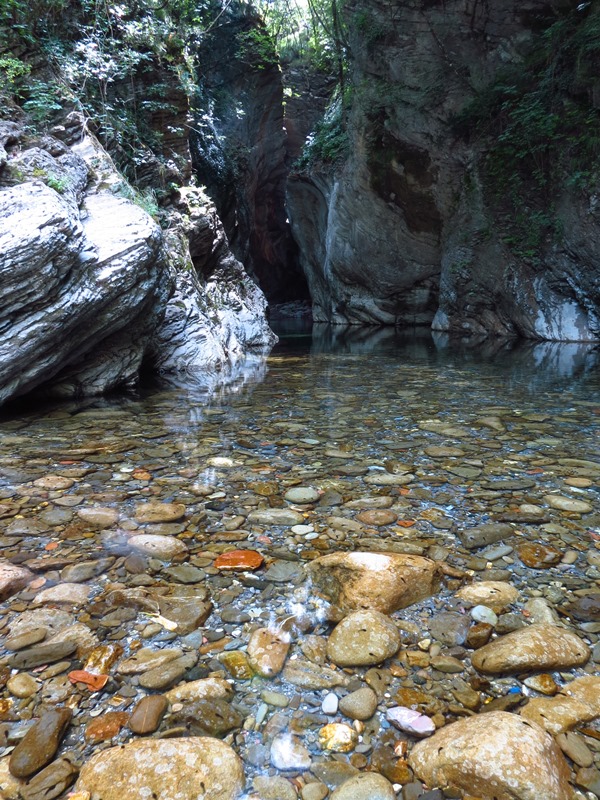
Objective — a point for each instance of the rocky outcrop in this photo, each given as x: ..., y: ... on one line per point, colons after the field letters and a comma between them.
x: 91, y: 287
x: 405, y: 231
x: 239, y: 148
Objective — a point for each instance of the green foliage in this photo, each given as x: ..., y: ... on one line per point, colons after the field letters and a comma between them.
x: 256, y: 47
x: 12, y: 71
x: 329, y: 143
x: 540, y: 129
x: 43, y: 99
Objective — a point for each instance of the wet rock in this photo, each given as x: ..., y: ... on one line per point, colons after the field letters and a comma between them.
x: 163, y: 547
x: 31, y: 637
x: 106, y: 726
x: 85, y: 570
x: 284, y: 572
x: 196, y: 690
x: 496, y: 753
x: 577, y: 702
x: 307, y: 675
x: 575, y: 747
x: 145, y: 767
x: 585, y: 608
x: 482, y: 535
x: 363, y: 638
x: 288, y: 753
x: 450, y: 628
x: 535, y: 647
x: 239, y: 560
x: 208, y: 716
x: 496, y: 595
x: 544, y: 683
x: 99, y: 517
x: 360, y: 704
x: 337, y: 738
x: 379, y: 517
x: 538, y: 556
x: 22, y: 685
x: 10, y: 787
x: 40, y: 743
x: 166, y: 674
x: 53, y: 482
x: 366, y: 786
x: 68, y: 594
x: 410, y: 721
x: 267, y: 651
x: 302, y: 495
x: 479, y: 634
x: 13, y: 579
x: 275, y: 516
x: 159, y: 512
x: 146, y: 659
x: 563, y: 503
x: 46, y: 653
x: 274, y: 788
x: 383, y: 582
x: 52, y: 781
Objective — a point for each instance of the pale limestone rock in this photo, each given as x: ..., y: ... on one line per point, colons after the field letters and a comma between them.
x: 496, y: 595
x: 383, y: 582
x: 163, y: 547
x: 535, y: 647
x: 576, y: 703
x: 363, y: 638
x: 166, y: 769
x: 495, y: 754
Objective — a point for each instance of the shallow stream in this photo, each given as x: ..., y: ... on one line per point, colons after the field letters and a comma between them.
x: 401, y: 443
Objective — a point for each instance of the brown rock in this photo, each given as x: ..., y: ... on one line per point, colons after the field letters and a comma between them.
x: 13, y: 579
x: 496, y: 754
x: 204, y: 767
x: 538, y: 556
x: 51, y: 781
x: 106, y: 726
x: 239, y: 560
x: 479, y: 634
x: 40, y: 743
x: 577, y: 702
x: 377, y: 517
x: 383, y: 582
x: 363, y: 638
x: 148, y: 713
x: 496, y: 595
x: 267, y: 651
x: 535, y: 647
x: 159, y: 512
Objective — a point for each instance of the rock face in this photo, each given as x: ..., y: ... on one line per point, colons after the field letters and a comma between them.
x: 167, y: 769
x: 242, y: 87
x: 91, y: 286
x: 403, y: 230
x: 383, y: 582
x: 535, y: 647
x: 494, y: 754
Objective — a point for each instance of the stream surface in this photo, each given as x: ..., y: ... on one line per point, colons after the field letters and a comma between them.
x: 122, y: 509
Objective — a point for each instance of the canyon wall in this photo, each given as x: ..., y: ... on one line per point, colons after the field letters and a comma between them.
x: 405, y: 230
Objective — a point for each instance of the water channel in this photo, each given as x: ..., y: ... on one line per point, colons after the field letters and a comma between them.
x: 124, y: 509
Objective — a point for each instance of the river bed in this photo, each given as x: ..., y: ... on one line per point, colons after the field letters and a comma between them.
x: 127, y: 516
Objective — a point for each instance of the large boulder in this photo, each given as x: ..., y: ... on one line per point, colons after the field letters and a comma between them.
x: 576, y: 703
x: 535, y: 647
x: 80, y: 298
x: 383, y: 582
x: 164, y: 769
x: 496, y: 754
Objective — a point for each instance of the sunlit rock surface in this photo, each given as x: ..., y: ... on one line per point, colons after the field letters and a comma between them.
x: 91, y: 287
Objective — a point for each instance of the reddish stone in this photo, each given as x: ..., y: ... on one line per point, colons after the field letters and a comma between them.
x: 377, y: 517
x: 106, y: 727
x: 538, y: 556
x: 239, y: 560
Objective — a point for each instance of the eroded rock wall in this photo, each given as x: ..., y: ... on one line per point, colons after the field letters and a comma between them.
x: 91, y: 286
x: 401, y: 232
